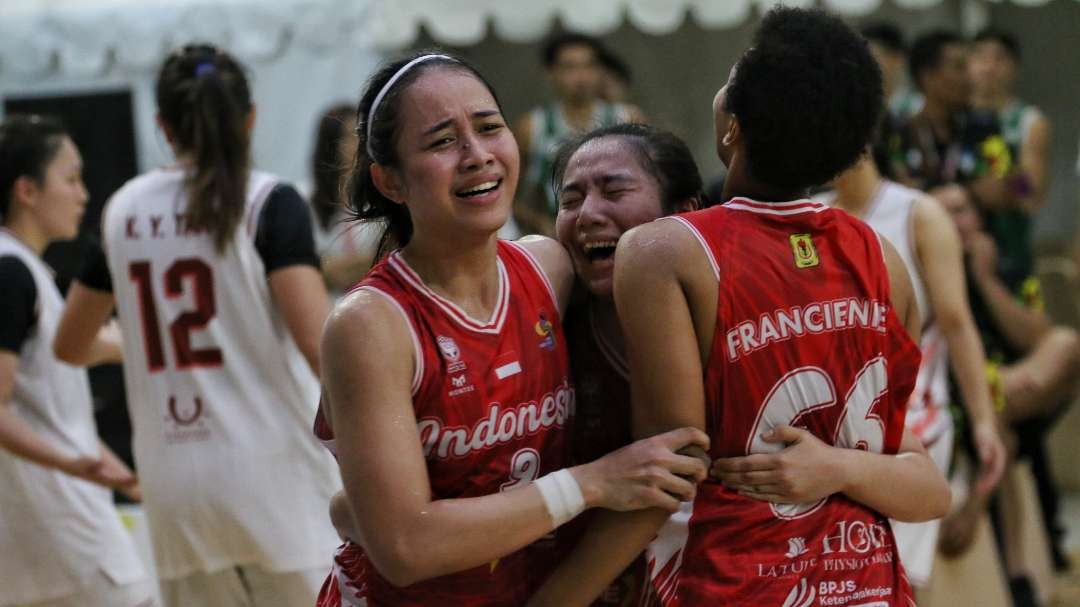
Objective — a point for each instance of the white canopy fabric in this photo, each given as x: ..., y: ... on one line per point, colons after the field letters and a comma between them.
x: 87, y: 38
x: 465, y: 22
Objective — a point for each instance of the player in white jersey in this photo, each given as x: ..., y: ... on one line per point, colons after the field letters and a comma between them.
x: 212, y: 268
x: 928, y: 243
x: 61, y: 540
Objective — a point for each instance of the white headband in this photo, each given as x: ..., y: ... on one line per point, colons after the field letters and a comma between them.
x: 386, y: 88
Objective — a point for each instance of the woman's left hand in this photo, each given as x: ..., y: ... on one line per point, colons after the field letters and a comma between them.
x: 806, y: 470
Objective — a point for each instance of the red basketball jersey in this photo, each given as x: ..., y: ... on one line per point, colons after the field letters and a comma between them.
x: 493, y: 402
x: 805, y: 336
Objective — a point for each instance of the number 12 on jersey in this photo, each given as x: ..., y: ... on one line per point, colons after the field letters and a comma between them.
x: 186, y: 271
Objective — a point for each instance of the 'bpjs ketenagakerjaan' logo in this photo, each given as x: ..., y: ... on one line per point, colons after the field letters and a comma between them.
x: 805, y: 254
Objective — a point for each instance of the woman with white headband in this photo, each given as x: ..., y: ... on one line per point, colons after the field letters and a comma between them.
x: 447, y: 392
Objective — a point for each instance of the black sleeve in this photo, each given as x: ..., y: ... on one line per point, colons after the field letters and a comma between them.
x: 95, y: 270
x: 17, y: 306
x: 284, y: 236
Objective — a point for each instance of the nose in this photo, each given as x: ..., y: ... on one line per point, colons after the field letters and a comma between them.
x: 592, y: 211
x: 474, y: 153
x: 84, y: 195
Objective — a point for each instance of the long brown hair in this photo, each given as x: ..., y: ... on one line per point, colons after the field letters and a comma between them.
x: 204, y: 100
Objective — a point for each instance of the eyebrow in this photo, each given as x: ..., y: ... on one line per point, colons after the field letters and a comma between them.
x: 445, y: 123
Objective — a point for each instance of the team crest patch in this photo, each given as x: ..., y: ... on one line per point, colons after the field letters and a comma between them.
x: 450, y: 351
x: 546, y: 332
x: 805, y: 254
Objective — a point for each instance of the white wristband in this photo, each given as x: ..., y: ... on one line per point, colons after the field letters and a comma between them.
x: 562, y: 496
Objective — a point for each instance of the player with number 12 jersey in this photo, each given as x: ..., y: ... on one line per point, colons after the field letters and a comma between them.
x: 493, y: 402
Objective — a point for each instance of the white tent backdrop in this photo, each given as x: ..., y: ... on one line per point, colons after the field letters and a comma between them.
x: 307, y: 54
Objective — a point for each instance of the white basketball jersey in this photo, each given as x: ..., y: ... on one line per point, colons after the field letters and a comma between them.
x: 891, y: 214
x: 57, y: 532
x: 221, y: 399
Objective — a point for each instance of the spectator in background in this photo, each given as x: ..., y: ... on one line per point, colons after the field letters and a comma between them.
x: 347, y: 248
x: 994, y: 64
x: 1033, y: 363
x: 887, y: 45
x: 615, y: 78
x: 949, y: 150
x: 572, y: 63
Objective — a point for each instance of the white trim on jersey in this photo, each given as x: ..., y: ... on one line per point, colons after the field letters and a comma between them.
x: 498, y: 315
x: 700, y: 239
x: 418, y: 353
x: 795, y: 207
x: 539, y: 270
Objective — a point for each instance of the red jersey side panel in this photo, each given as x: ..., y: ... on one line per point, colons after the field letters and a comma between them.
x: 493, y: 402
x: 806, y: 337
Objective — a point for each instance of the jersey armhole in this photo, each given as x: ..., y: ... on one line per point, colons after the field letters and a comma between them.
x: 418, y: 353
x: 701, y: 240
x: 539, y: 271
x: 258, y: 202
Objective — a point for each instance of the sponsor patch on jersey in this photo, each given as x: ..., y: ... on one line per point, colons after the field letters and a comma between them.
x: 805, y: 254
x: 546, y: 333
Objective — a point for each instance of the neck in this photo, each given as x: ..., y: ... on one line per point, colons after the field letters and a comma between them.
x: 855, y: 187
x: 578, y: 114
x: 740, y: 184
x: 464, y: 273
x: 991, y: 100
x: 607, y: 321
x: 28, y: 233
x: 938, y: 115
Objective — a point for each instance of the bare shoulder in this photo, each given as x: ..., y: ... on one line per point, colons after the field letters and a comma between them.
x: 663, y: 243
x: 554, y: 261
x: 364, y: 320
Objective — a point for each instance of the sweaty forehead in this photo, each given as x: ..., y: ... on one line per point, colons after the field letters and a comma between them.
x: 605, y: 158
x: 442, y: 93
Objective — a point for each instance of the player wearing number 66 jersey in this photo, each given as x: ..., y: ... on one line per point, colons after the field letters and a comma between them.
x: 212, y: 270
x: 768, y: 323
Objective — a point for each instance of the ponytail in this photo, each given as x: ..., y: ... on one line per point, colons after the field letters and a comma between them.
x: 203, y: 98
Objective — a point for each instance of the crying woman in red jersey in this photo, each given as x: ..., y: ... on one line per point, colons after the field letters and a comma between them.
x: 448, y: 397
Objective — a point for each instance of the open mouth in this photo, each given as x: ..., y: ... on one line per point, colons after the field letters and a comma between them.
x: 480, y: 189
x: 595, y: 251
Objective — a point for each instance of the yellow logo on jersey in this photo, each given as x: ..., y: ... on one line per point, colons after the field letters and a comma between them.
x: 805, y: 253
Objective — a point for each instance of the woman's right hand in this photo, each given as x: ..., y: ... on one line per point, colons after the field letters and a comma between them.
x: 649, y: 473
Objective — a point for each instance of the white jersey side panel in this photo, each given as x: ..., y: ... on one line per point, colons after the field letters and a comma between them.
x: 57, y: 532
x: 891, y: 214
x: 221, y: 399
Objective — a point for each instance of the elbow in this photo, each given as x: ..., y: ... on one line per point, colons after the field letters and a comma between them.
x: 933, y: 504
x: 399, y: 562
x: 66, y: 353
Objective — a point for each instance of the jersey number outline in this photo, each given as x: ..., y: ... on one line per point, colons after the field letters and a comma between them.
x: 808, y: 389
x: 201, y: 278
x: 524, y: 469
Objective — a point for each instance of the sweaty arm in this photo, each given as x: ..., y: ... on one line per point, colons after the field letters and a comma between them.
x: 286, y: 244
x: 409, y: 535
x: 653, y: 264
x: 940, y: 255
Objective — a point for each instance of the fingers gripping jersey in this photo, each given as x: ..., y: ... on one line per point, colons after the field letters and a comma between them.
x: 493, y: 403
x: 805, y: 336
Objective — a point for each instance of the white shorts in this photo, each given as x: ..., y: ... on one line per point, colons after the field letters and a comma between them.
x: 245, y: 586
x: 917, y: 542
x: 104, y: 593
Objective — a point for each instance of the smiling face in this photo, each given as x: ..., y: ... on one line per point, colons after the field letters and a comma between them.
x: 59, y: 201
x: 605, y: 192
x: 458, y: 166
